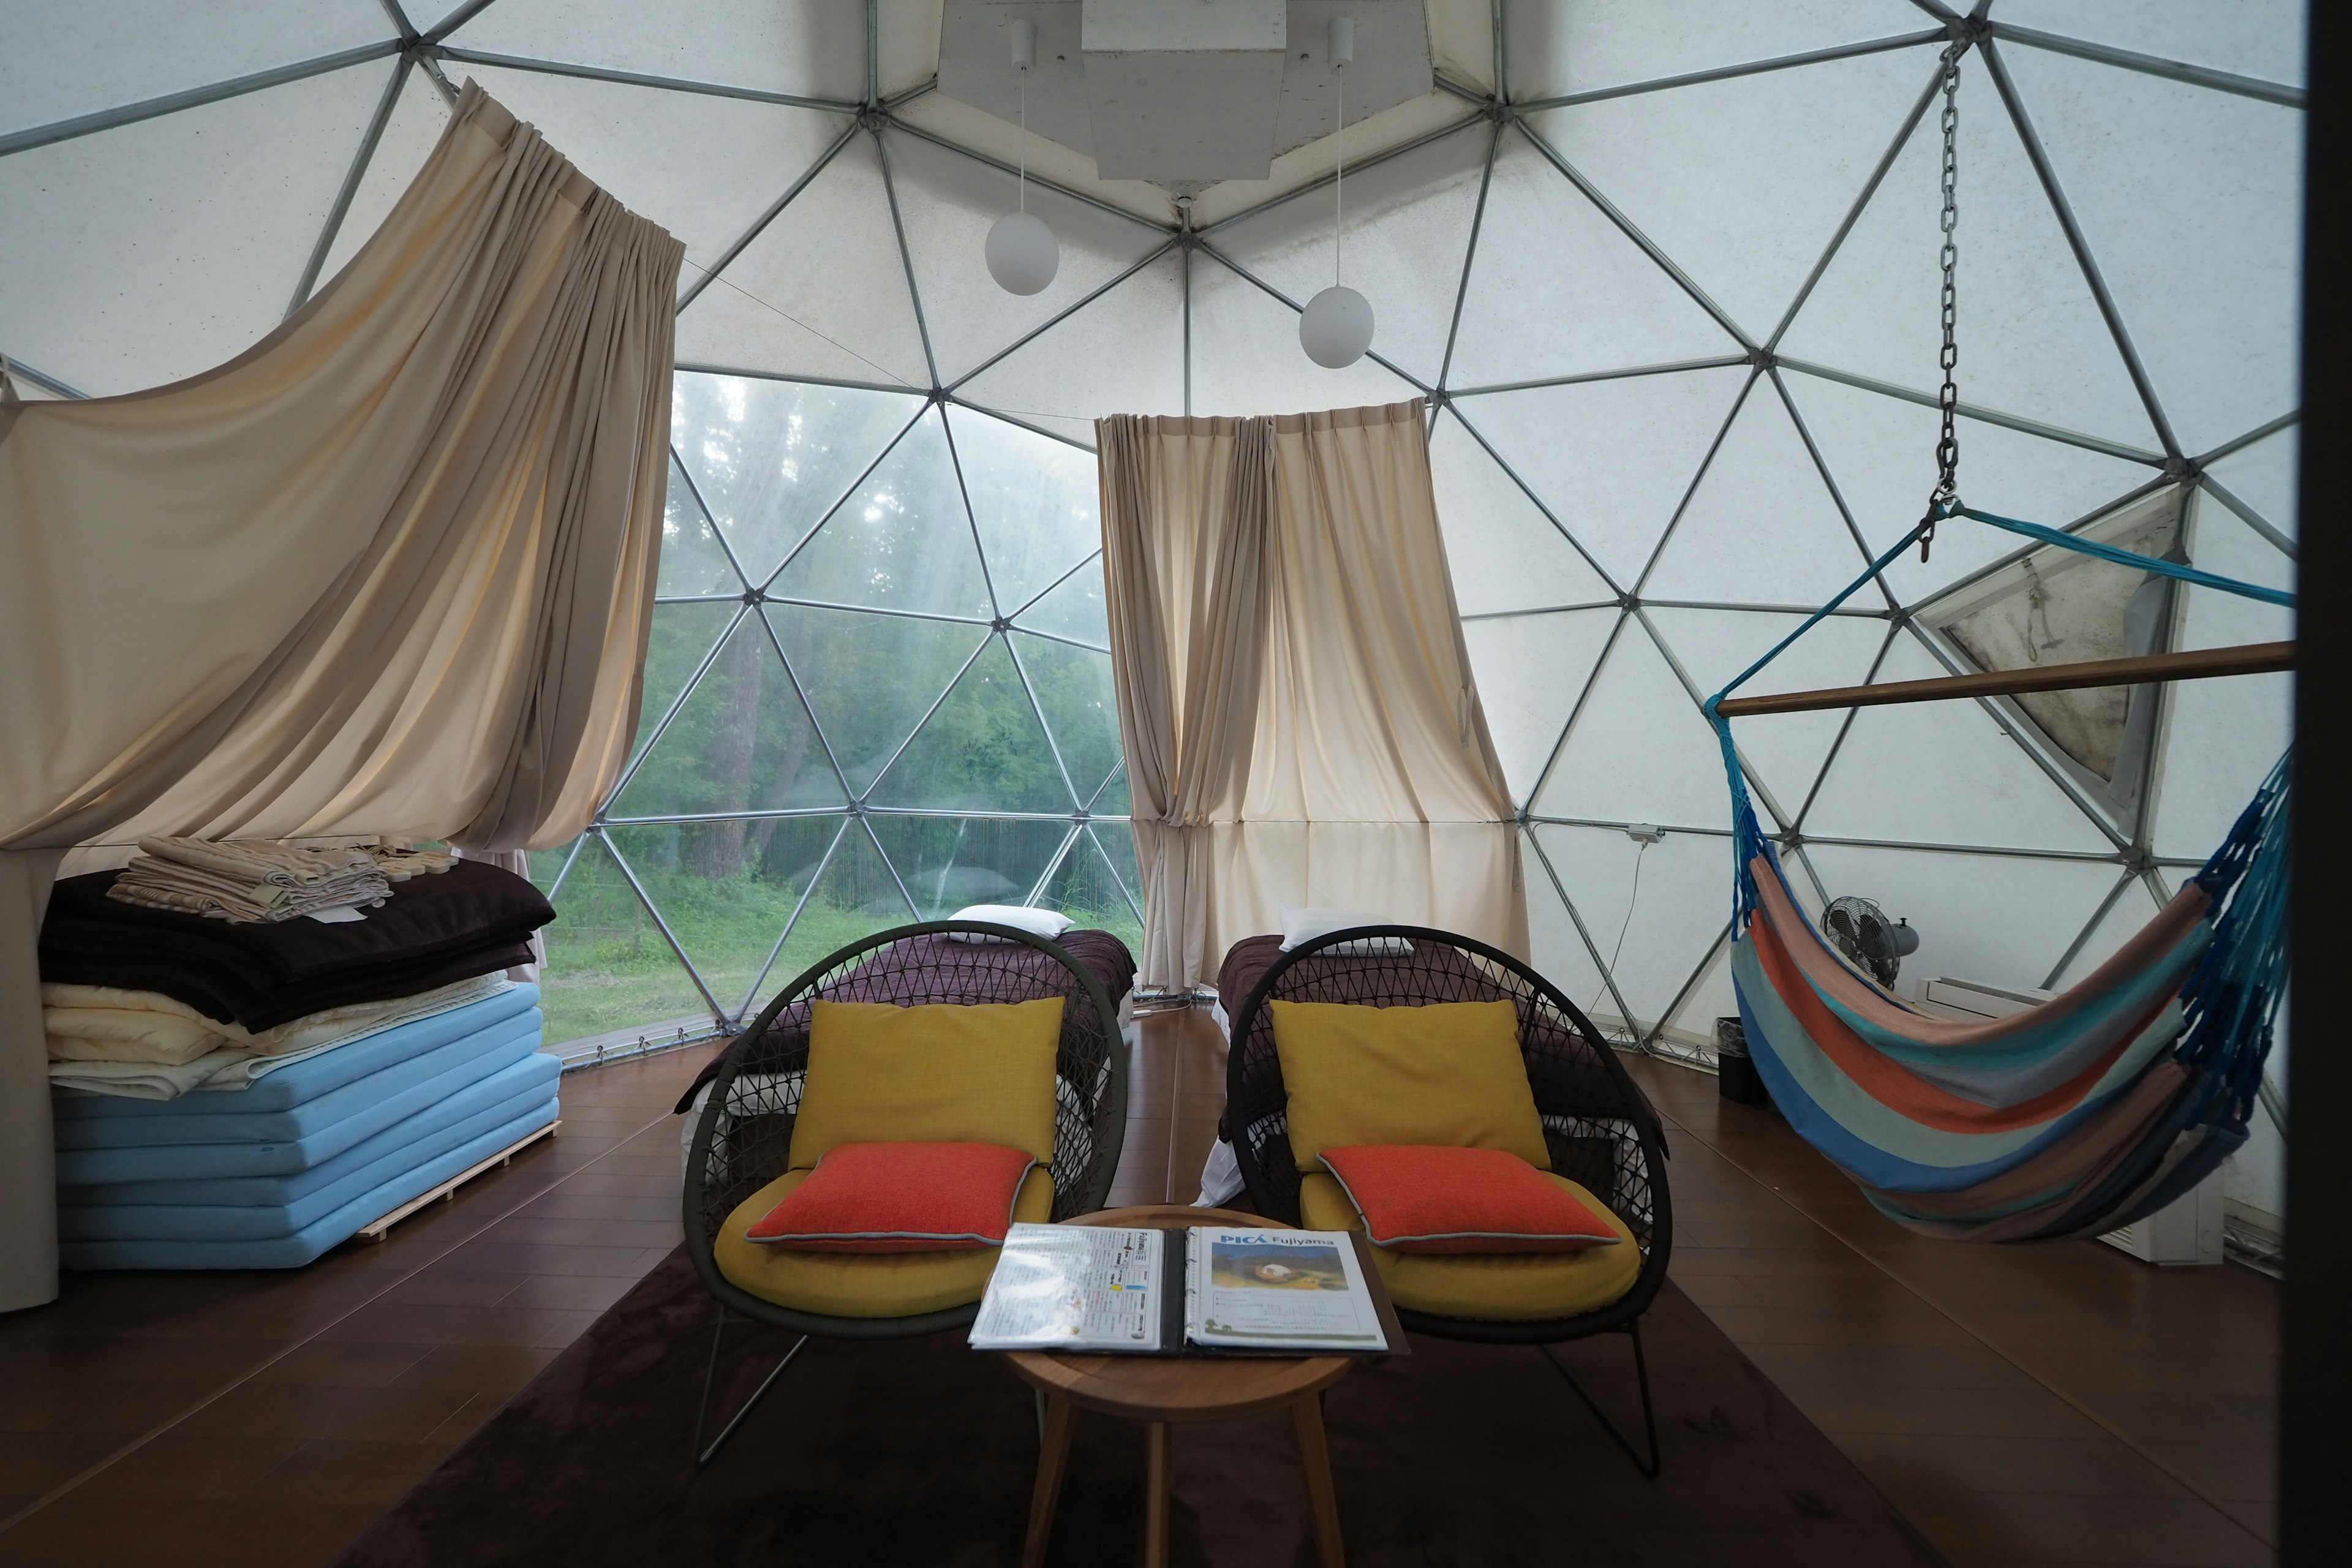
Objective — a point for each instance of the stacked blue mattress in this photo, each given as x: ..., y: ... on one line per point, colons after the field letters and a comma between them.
x: 272, y: 1174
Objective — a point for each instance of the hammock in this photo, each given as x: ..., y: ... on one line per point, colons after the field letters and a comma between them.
x: 2070, y: 1119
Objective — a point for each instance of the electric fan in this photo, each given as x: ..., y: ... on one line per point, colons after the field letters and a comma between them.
x: 1860, y: 929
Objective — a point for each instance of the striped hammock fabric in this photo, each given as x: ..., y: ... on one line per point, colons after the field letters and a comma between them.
x: 2099, y: 1106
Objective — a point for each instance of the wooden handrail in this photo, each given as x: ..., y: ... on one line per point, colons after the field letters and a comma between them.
x: 2194, y: 664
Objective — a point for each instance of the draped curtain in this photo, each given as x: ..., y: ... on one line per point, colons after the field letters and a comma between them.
x: 1295, y: 696
x: 389, y: 571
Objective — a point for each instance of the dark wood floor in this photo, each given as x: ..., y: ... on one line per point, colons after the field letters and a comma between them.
x: 2020, y: 1406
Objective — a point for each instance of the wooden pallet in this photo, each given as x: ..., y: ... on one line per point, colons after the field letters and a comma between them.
x: 375, y: 1230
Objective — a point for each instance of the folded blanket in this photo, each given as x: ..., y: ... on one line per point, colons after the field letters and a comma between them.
x: 226, y: 1056
x: 245, y: 881
x: 471, y: 919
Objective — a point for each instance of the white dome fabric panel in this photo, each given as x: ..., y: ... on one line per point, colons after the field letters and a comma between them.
x: 1673, y: 299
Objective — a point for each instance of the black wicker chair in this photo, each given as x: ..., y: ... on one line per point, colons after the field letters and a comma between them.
x: 1601, y: 1132
x: 743, y: 1135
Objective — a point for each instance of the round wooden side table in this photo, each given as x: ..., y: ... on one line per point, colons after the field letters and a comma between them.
x: 1160, y: 1390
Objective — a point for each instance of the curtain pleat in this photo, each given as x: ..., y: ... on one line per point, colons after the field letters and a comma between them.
x: 389, y: 572
x: 1329, y: 747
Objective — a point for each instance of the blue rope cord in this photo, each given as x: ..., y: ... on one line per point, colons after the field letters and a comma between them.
x: 2131, y: 558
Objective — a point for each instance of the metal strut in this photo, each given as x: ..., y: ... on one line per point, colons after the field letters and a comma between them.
x: 1946, y: 498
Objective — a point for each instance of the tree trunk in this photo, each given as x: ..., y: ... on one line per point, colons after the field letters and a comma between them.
x: 715, y: 849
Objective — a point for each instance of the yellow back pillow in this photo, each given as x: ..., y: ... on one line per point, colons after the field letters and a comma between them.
x: 1448, y: 1074
x: 884, y: 1074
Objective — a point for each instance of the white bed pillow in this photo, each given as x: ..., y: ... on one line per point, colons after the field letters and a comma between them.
x: 1047, y: 923
x: 1300, y: 927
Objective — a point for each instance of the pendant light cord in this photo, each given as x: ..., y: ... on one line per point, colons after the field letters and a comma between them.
x: 1338, y: 177
x: 1024, y: 138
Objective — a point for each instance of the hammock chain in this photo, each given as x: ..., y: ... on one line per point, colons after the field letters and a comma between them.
x: 1947, y: 496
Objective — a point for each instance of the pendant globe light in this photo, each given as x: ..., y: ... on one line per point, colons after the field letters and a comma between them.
x: 1337, y: 326
x: 1023, y: 255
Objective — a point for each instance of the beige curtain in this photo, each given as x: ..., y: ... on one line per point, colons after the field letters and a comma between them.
x: 389, y: 572
x: 1295, y: 696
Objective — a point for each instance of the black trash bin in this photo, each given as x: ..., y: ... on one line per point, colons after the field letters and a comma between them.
x: 1736, y: 1078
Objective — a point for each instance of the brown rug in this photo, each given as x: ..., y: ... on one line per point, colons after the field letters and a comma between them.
x: 920, y: 1452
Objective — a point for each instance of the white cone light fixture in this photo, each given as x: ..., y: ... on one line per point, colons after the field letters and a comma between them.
x: 1337, y: 326
x: 1023, y: 255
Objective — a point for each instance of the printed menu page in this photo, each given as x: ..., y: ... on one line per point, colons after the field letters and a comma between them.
x: 1278, y: 1288
x: 1073, y: 1288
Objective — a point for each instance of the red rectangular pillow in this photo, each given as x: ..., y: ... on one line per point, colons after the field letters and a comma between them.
x: 899, y: 1197
x: 1419, y: 1198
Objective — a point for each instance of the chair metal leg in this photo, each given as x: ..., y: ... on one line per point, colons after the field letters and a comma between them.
x: 702, y: 1455
x: 1649, y: 1419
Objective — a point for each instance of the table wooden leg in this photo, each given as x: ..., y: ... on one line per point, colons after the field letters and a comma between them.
x: 1155, y: 1499
x: 1053, y: 1462
x: 1315, y: 1458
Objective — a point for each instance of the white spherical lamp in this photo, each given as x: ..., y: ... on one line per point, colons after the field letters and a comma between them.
x: 1336, y: 327
x: 1023, y: 256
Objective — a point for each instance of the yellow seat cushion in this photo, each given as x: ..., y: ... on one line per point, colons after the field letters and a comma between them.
x: 944, y: 1074
x: 1515, y: 1286
x: 1448, y: 1074
x: 863, y: 1285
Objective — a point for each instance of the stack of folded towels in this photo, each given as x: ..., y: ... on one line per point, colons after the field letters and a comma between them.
x: 234, y: 1090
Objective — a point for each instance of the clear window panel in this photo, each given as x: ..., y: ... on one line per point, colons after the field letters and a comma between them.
x: 949, y: 862
x: 608, y: 966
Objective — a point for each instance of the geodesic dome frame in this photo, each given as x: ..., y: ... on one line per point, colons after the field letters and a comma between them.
x: 1664, y: 274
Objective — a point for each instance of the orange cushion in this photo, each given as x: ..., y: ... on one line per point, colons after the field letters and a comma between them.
x: 1416, y: 1197
x: 899, y: 1197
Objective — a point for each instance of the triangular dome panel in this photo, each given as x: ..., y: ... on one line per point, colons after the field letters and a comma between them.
x: 1407, y: 236
x: 1940, y: 772
x: 740, y: 742
x: 1743, y: 182
x: 417, y: 119
x: 1607, y: 305
x: 1246, y: 358
x: 2263, y: 475
x: 145, y: 254
x: 1035, y: 504
x: 1094, y: 886
x: 1610, y: 459
x: 681, y: 638
x: 981, y: 749
x: 2199, y: 246
x: 853, y: 892
x: 805, y: 49
x: 2032, y: 340
x: 1881, y: 450
x: 2259, y: 38
x: 2224, y: 735
x: 1503, y: 553
x: 702, y: 166
x: 116, y: 58
x: 772, y: 458
x: 1074, y: 693
x: 608, y: 965
x: 1785, y: 751
x: 694, y: 563
x: 820, y: 292
x: 1761, y: 526
x: 1124, y: 353
x: 948, y: 202
x: 1577, y: 48
x: 1073, y: 609
x: 903, y: 542
x: 1530, y: 669
x: 871, y: 677
x: 1636, y: 708
x: 949, y: 862
x: 1653, y: 910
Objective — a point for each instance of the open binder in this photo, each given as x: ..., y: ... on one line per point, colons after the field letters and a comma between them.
x: 1199, y: 1290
